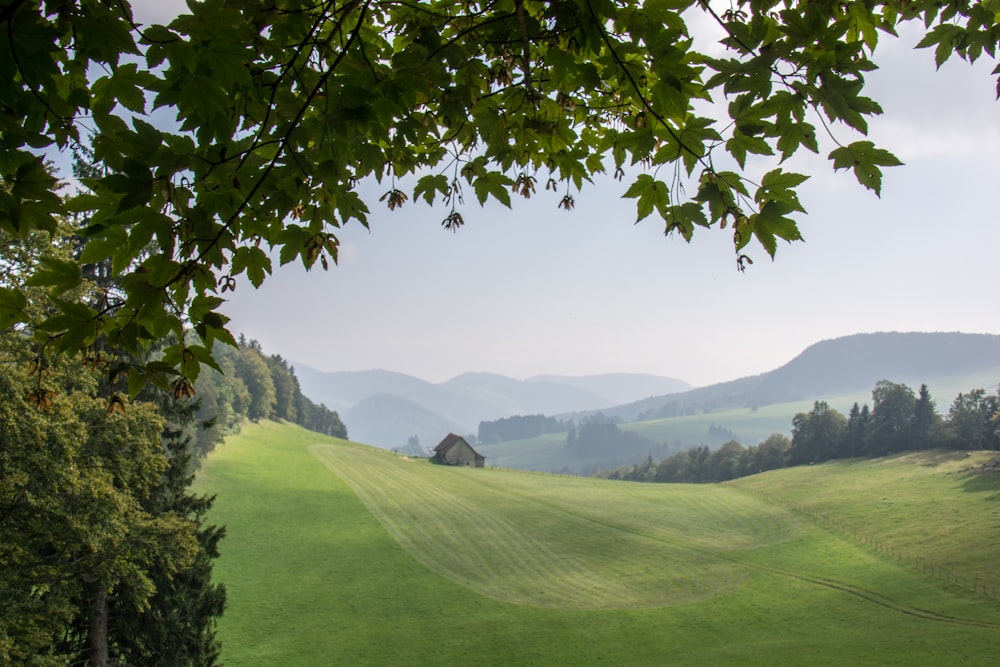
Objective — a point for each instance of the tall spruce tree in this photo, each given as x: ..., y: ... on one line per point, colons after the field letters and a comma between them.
x: 925, y: 426
x: 856, y: 436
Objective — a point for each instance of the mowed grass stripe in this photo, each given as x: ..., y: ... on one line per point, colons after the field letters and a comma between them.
x: 677, y: 512
x: 504, y: 543
x: 415, y: 512
x: 493, y: 553
x: 645, y: 546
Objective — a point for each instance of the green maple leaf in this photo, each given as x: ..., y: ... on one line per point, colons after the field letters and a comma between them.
x: 650, y: 194
x: 865, y: 159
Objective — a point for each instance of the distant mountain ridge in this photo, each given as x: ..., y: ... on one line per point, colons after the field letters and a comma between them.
x: 390, y: 421
x: 831, y: 367
x: 386, y: 408
x: 619, y: 387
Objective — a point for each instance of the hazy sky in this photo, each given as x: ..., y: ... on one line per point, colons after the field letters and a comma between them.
x: 539, y: 290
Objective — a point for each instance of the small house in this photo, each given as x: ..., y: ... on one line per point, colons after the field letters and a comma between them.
x: 455, y: 451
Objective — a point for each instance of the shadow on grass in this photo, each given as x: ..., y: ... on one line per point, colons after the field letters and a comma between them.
x: 983, y: 479
x: 935, y: 457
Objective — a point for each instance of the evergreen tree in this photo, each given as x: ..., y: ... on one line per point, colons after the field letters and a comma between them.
x: 253, y: 370
x: 924, y: 433
x: 856, y: 436
x: 286, y: 387
x: 177, y: 628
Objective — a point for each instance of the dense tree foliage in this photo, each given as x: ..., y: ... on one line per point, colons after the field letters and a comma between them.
x: 96, y: 521
x: 107, y: 558
x: 856, y: 434
x: 253, y: 386
x: 106, y: 555
x: 701, y: 464
x: 818, y: 435
x: 891, y: 424
x: 974, y: 420
x: 242, y: 130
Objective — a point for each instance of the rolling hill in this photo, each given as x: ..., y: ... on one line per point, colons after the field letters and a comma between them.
x: 384, y: 418
x: 336, y: 552
x: 850, y: 365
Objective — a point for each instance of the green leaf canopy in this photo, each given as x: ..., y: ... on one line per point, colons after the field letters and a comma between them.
x: 278, y: 109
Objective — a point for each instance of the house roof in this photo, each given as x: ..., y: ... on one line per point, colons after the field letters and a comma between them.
x: 449, y: 441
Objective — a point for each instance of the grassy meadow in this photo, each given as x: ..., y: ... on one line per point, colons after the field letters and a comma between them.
x: 937, y: 510
x: 338, y: 553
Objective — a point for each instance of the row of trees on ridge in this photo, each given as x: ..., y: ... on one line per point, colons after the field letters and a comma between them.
x: 898, y: 420
x: 519, y: 427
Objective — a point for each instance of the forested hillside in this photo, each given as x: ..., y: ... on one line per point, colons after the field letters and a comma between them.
x: 106, y: 554
x: 250, y: 384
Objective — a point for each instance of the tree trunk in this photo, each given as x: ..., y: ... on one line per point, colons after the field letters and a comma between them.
x: 97, y: 636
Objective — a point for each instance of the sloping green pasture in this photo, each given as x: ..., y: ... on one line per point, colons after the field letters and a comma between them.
x: 342, y: 554
x: 939, y: 511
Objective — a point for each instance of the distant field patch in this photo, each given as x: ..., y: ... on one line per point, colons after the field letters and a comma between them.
x: 560, y: 542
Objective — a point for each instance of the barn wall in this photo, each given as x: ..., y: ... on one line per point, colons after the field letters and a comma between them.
x: 461, y: 454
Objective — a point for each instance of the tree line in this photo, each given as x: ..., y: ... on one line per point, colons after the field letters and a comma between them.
x: 519, y: 427
x: 899, y: 419
x: 251, y: 385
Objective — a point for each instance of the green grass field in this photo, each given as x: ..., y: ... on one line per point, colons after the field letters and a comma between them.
x: 935, y: 510
x: 342, y: 554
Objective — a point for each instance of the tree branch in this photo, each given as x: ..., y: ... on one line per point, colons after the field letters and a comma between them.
x: 638, y: 90
x: 283, y: 141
